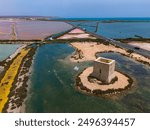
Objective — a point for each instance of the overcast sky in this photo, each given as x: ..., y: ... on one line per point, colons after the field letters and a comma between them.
x: 76, y: 8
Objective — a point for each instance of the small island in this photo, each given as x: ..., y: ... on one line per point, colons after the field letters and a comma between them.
x: 103, y: 79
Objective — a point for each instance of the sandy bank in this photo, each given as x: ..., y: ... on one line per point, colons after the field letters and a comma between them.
x: 96, y: 87
x: 76, y: 34
x: 88, y: 51
x: 20, y: 87
x: 121, y: 83
x: 15, y: 53
x: 143, y: 45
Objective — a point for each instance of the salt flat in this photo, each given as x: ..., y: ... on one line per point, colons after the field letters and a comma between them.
x: 14, y: 29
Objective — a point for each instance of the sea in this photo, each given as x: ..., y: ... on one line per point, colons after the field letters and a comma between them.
x: 53, y: 86
x: 7, y: 49
x: 116, y: 28
x: 53, y: 77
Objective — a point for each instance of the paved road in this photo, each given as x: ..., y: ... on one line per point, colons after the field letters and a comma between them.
x: 120, y: 44
x: 123, y: 45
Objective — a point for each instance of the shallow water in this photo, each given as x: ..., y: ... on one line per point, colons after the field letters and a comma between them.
x: 124, y: 30
x: 139, y: 100
x: 53, y: 84
x: 7, y: 49
x: 118, y: 29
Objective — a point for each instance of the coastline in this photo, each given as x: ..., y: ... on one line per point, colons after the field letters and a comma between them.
x: 9, y: 77
x: 138, y: 45
x: 18, y: 90
x: 91, y: 86
x: 90, y: 49
x: 23, y: 107
x: 87, y: 51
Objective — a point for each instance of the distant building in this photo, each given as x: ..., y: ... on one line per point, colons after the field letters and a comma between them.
x: 104, y: 69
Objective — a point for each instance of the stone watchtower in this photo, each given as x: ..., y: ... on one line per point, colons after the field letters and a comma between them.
x: 104, y: 69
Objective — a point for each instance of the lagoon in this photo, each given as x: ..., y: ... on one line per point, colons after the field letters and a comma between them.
x: 7, y: 49
x: 128, y: 28
x: 53, y: 84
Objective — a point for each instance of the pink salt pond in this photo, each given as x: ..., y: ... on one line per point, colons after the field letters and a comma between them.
x: 30, y: 30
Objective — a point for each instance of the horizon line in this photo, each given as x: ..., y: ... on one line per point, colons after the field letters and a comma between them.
x: 74, y: 17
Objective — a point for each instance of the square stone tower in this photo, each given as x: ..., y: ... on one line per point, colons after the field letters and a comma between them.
x: 104, y: 69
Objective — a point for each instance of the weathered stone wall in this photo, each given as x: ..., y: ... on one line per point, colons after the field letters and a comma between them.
x: 103, y: 71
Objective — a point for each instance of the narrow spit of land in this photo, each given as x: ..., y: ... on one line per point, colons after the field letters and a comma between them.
x: 87, y: 50
x: 13, y: 32
x: 9, y: 77
x: 90, y: 49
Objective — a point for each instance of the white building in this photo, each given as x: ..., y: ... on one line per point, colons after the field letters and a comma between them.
x: 104, y: 69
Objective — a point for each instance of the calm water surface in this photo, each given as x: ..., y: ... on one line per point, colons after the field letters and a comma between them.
x: 7, y: 49
x: 126, y: 29
x: 31, y: 30
x: 53, y: 84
